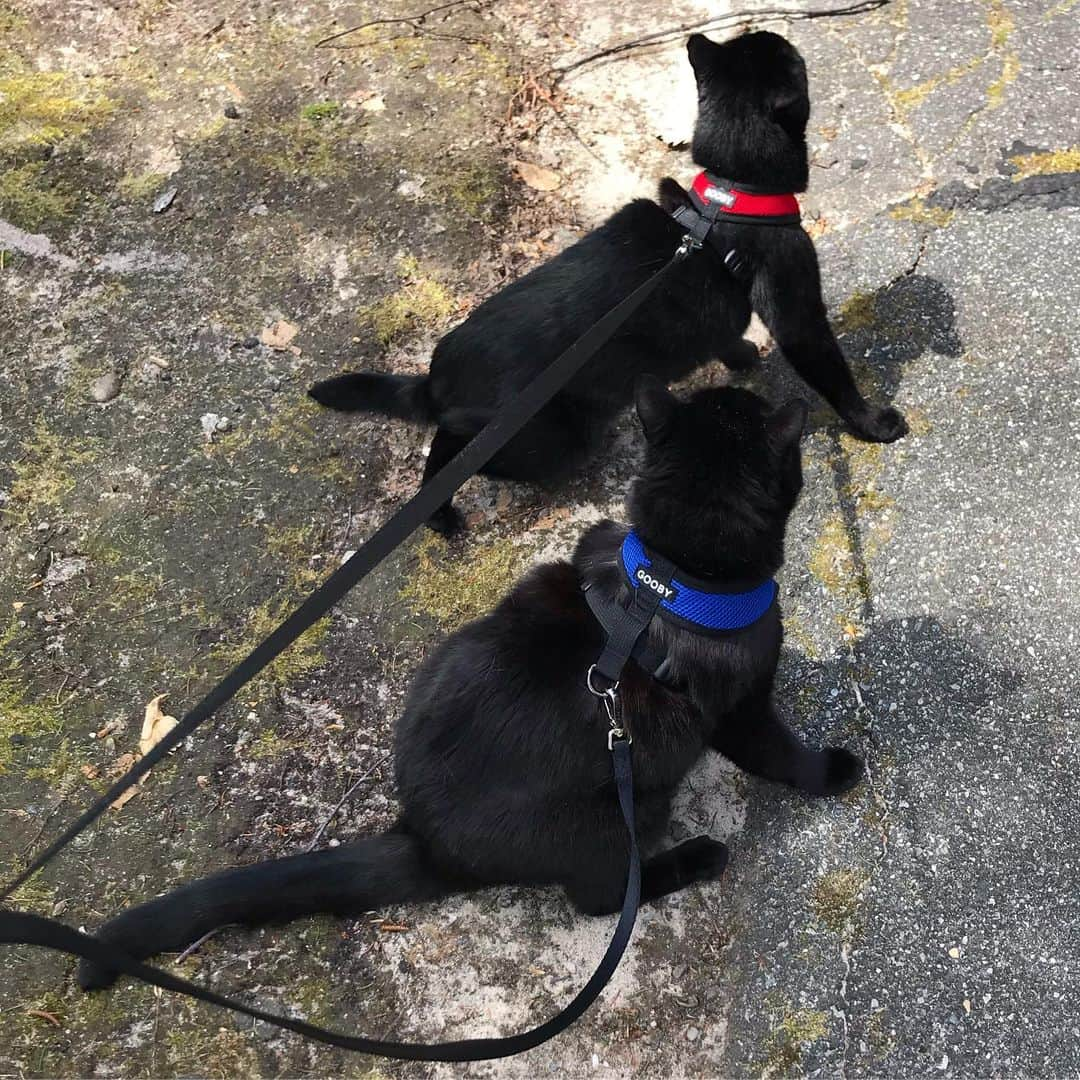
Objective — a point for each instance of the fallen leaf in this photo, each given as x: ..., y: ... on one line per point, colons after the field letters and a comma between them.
x: 91, y: 772
x: 279, y: 335
x: 156, y: 725
x: 537, y: 177
x: 121, y: 765
x: 816, y: 227
x: 109, y: 728
x: 560, y: 513
x: 122, y: 801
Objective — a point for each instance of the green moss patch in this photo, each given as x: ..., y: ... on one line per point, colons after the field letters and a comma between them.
x: 421, y: 303
x: 787, y: 1042
x: 454, y: 590
x: 320, y: 110
x: 21, y: 719
x: 1046, y: 163
x: 43, y: 475
x: 918, y: 211
x: 835, y: 897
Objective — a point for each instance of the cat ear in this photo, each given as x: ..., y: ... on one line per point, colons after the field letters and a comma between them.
x: 785, y: 424
x: 656, y: 405
x: 789, y: 107
x: 703, y: 54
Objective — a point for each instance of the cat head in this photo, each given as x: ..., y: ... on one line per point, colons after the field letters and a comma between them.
x: 722, y: 472
x: 753, y: 106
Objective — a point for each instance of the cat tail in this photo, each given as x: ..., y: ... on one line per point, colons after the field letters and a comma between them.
x: 405, y: 397
x: 368, y: 874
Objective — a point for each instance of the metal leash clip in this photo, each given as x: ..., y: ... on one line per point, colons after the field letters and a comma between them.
x: 689, y: 243
x: 612, y: 707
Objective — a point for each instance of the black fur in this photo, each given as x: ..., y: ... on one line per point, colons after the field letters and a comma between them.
x: 502, y: 765
x: 752, y: 113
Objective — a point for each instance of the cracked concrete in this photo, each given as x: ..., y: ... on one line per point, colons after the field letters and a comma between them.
x: 923, y: 925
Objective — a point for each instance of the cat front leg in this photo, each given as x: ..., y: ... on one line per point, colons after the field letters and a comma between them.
x: 601, y: 892
x: 757, y: 740
x: 786, y: 293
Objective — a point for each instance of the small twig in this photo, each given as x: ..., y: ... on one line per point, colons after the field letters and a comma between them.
x: 51, y: 1017
x: 661, y: 37
x: 343, y: 800
x: 419, y: 17
x: 202, y: 941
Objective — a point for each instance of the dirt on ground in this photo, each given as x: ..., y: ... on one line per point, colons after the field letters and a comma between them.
x: 205, y: 207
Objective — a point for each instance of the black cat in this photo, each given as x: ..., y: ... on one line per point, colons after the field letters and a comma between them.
x: 752, y: 113
x: 502, y: 764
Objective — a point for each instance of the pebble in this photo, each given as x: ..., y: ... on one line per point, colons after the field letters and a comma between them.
x: 692, y: 1034
x: 212, y: 424
x: 105, y: 387
x: 232, y: 112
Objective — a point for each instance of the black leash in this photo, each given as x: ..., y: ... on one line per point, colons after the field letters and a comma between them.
x: 503, y: 426
x: 20, y: 928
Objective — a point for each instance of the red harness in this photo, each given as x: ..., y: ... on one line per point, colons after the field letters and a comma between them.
x: 716, y: 198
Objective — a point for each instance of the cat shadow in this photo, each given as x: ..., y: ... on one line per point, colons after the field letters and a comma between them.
x: 903, y: 695
x: 879, y: 333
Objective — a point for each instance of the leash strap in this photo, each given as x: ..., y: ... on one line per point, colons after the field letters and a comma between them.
x: 21, y: 928
x: 504, y: 425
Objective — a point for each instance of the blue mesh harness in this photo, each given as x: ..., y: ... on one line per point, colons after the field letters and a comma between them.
x: 692, y: 603
x: 659, y: 588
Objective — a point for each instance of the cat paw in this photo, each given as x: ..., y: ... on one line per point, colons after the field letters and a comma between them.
x: 880, y: 426
x: 740, y: 355
x: 446, y: 521
x: 843, y: 770
x: 92, y: 976
x: 702, y: 859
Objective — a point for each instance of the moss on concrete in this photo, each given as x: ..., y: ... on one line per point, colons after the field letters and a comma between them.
x: 221, y: 1053
x: 42, y: 108
x: 29, y: 200
x: 320, y: 110
x: 1045, y: 163
x: 21, y: 717
x: 788, y: 1041
x: 470, y: 187
x: 43, y: 475
x: 835, y: 896
x: 137, y: 186
x: 421, y: 303
x: 454, y: 589
x: 857, y: 312
x: 917, y: 210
